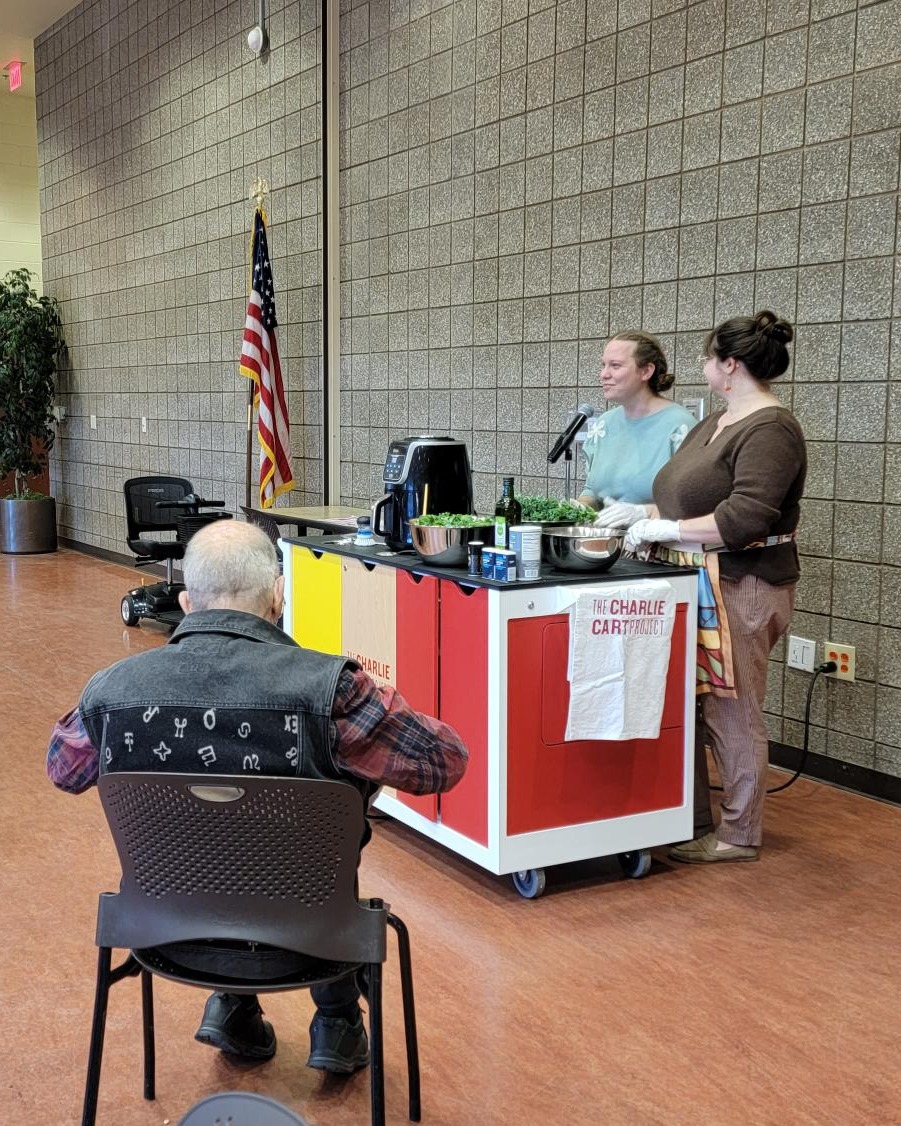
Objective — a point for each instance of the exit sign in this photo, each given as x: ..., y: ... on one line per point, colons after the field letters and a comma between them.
x: 14, y: 70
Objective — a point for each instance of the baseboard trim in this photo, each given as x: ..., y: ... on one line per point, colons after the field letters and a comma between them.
x: 847, y: 775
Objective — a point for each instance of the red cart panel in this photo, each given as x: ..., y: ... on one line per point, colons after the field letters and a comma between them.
x: 463, y: 700
x: 551, y: 782
x: 417, y: 660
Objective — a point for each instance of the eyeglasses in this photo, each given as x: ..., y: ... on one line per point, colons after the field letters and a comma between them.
x: 703, y: 358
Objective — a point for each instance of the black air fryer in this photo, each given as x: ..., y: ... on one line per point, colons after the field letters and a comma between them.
x: 422, y: 475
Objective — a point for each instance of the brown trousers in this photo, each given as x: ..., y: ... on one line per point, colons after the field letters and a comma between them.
x: 758, y: 614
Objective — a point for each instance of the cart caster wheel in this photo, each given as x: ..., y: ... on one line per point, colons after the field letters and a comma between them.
x: 129, y: 615
x: 635, y: 864
x: 531, y: 883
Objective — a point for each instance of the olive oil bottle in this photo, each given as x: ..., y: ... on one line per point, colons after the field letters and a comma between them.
x: 507, y: 512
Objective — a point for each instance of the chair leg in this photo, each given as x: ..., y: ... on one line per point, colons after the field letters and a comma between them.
x: 376, y: 1052
x: 98, y: 1027
x: 406, y: 985
x: 149, y: 1037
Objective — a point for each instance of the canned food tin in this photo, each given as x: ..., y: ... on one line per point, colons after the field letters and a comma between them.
x: 504, y: 565
x: 525, y: 540
x: 488, y: 554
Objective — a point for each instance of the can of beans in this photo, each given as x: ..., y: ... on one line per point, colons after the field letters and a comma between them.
x: 504, y: 565
x: 525, y: 541
x: 474, y: 547
x: 488, y: 554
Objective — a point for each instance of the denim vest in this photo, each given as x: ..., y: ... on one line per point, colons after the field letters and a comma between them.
x: 229, y: 694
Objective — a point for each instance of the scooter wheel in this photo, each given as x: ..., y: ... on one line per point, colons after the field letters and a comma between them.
x: 129, y: 614
x: 530, y: 883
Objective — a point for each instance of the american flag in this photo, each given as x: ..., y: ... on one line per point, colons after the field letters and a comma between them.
x: 259, y: 362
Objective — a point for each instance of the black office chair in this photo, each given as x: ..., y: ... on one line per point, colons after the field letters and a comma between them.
x: 238, y: 858
x: 265, y: 523
x: 155, y: 505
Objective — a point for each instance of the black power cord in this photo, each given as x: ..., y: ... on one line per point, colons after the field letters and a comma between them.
x: 826, y: 666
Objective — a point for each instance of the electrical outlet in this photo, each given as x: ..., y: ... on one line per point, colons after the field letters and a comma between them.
x: 801, y: 653
x: 844, y: 656
x: 143, y: 425
x: 93, y: 421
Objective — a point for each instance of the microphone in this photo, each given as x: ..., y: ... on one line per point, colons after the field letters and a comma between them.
x: 566, y: 439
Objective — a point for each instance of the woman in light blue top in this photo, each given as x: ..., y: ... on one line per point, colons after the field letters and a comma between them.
x: 627, y: 446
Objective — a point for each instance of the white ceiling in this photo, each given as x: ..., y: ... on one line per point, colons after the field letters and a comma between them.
x: 21, y: 21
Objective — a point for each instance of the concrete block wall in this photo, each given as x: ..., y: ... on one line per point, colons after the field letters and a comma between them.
x: 519, y: 179
x: 522, y: 178
x: 153, y: 122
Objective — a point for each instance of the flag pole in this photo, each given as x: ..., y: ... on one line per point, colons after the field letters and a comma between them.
x: 248, y: 463
x: 258, y: 192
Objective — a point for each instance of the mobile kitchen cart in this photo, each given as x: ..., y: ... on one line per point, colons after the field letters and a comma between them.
x: 490, y: 659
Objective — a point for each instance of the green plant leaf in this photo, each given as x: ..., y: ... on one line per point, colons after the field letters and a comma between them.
x: 31, y: 346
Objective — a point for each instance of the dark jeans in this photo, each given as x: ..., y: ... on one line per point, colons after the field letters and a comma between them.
x: 339, y: 998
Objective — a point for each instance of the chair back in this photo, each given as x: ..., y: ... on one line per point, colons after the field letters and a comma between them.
x: 229, y: 857
x: 268, y: 524
x: 141, y: 497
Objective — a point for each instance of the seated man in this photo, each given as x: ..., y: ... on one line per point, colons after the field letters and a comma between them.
x: 233, y: 694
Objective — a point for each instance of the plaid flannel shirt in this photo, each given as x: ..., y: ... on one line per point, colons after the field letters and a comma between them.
x: 376, y: 735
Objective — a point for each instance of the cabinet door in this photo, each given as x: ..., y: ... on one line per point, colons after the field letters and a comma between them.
x: 417, y: 660
x: 551, y: 782
x: 316, y: 612
x: 463, y: 702
x: 368, y: 617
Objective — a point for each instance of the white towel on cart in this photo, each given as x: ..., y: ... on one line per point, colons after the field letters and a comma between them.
x: 619, y: 646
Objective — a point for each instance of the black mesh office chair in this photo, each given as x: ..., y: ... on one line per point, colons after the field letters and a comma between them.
x: 265, y: 523
x: 237, y: 858
x: 156, y: 505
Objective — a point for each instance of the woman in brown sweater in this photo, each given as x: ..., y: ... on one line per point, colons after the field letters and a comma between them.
x: 735, y: 486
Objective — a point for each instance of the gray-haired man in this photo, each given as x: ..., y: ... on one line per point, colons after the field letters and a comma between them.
x: 231, y: 693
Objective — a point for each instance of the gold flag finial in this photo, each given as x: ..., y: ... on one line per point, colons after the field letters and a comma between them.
x: 259, y: 189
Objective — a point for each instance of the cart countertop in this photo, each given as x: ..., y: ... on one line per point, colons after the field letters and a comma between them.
x: 623, y: 570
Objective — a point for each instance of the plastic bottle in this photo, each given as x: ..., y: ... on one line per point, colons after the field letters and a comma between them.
x: 364, y: 536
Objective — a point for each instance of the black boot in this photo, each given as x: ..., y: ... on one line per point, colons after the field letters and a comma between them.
x: 233, y: 1023
x: 338, y: 1045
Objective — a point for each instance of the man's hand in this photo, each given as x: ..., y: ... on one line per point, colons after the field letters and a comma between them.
x: 621, y: 514
x: 653, y: 531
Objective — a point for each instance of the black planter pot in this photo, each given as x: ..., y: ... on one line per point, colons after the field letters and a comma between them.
x: 27, y: 527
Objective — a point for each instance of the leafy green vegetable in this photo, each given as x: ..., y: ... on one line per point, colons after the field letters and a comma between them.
x: 537, y: 510
x: 452, y: 520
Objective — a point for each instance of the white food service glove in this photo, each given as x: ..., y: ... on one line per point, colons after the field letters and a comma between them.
x: 652, y: 531
x: 621, y: 514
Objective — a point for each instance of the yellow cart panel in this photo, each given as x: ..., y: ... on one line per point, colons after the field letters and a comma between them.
x: 316, y: 599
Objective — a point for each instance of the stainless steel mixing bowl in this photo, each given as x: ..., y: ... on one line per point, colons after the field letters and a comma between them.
x: 445, y: 546
x: 582, y: 547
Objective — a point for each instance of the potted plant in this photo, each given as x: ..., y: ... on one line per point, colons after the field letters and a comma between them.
x: 31, y: 343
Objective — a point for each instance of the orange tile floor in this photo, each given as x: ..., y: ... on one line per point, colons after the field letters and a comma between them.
x: 756, y: 994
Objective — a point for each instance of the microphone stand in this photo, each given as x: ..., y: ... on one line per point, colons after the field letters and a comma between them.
x: 567, y: 472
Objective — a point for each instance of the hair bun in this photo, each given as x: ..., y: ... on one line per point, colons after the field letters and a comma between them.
x: 665, y: 380
x: 768, y: 324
